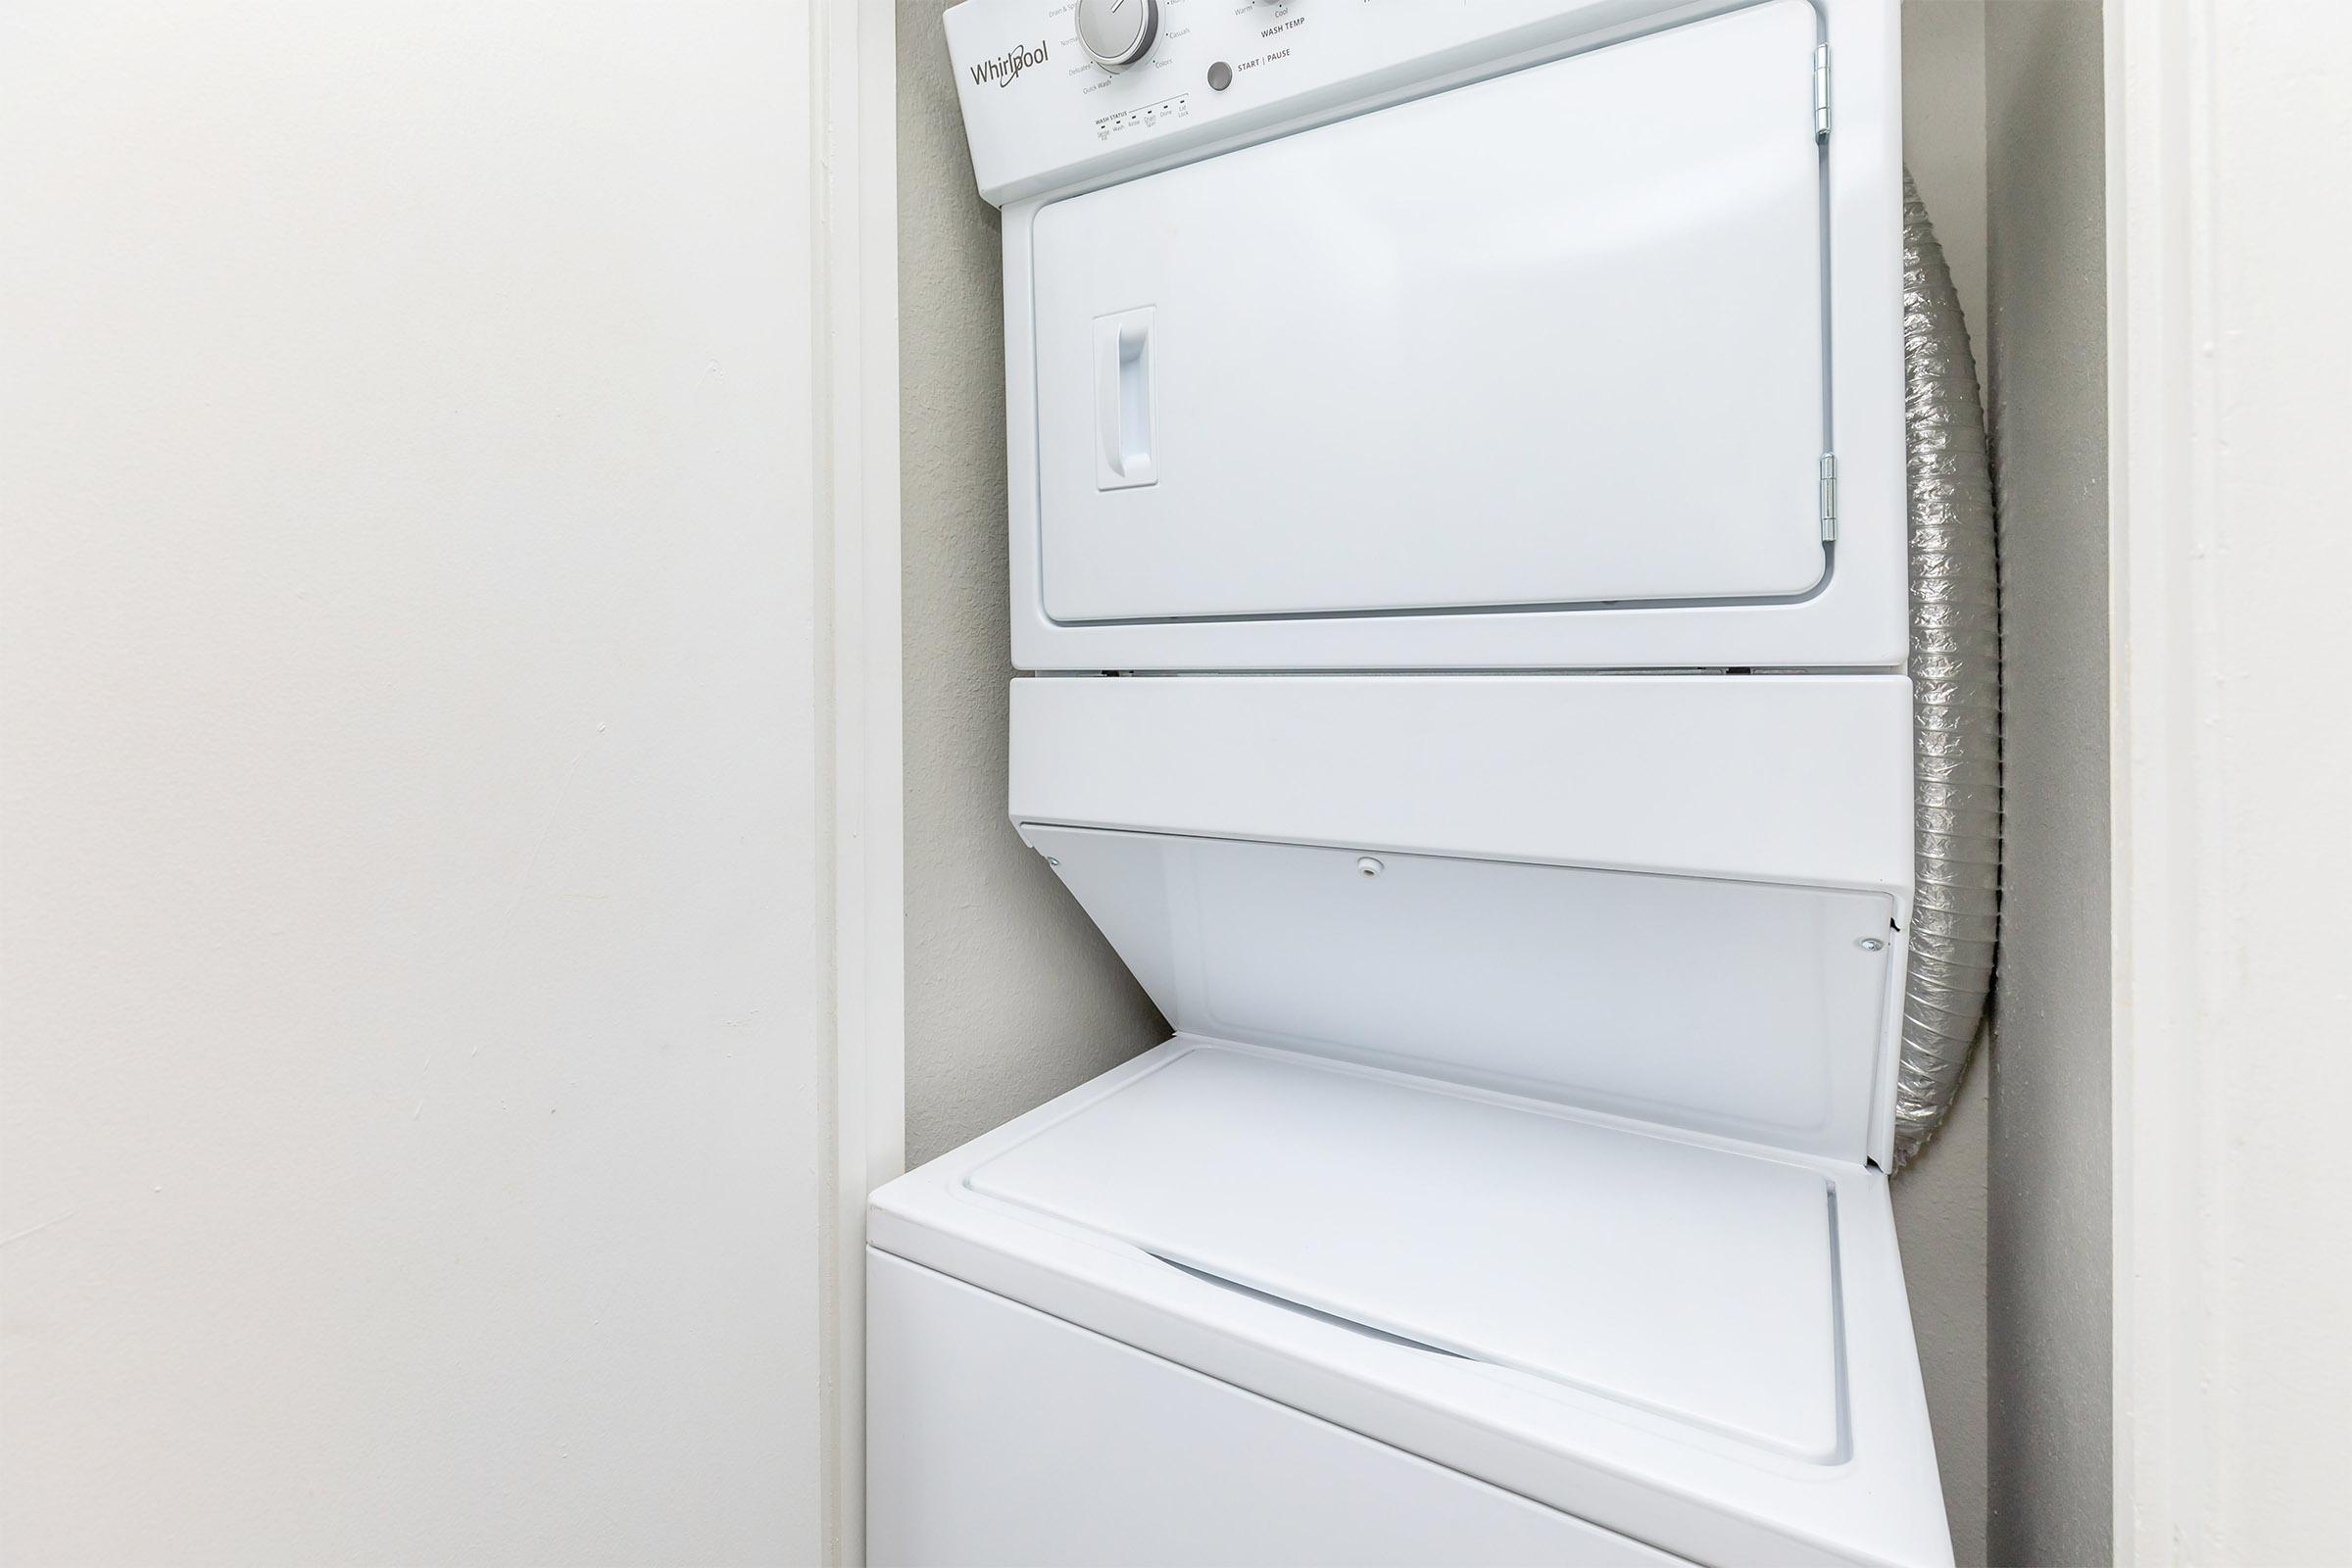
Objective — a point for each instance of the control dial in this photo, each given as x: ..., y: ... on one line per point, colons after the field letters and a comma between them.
x: 1116, y: 33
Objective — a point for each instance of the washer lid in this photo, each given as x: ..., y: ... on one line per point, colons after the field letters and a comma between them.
x: 1695, y: 1281
x: 1629, y: 1264
x: 1752, y: 1010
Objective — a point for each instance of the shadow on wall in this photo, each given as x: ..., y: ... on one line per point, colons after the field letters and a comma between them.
x: 1011, y: 994
x: 2048, y: 1289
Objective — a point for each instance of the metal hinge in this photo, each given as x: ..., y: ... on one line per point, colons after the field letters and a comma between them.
x: 1828, y: 497
x: 1821, y: 92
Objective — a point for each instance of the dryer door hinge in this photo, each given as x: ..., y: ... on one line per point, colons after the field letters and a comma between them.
x: 1828, y: 497
x: 1821, y: 92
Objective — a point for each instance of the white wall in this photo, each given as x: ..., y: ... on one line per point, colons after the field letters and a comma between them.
x: 2230, y: 158
x: 413, y: 1085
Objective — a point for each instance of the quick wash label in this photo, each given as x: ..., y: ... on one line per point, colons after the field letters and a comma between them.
x: 1008, y: 66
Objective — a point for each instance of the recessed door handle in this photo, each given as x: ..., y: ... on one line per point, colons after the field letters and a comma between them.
x: 1123, y: 401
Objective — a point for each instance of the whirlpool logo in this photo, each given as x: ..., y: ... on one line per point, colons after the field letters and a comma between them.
x: 1007, y: 67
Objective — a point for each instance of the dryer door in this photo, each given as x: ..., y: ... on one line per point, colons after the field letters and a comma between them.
x: 1553, y: 338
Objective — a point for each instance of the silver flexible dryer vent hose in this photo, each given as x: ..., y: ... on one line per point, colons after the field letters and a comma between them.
x: 1956, y: 693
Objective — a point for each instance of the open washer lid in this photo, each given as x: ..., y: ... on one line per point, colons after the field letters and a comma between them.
x: 1752, y: 1010
x: 1687, y: 1280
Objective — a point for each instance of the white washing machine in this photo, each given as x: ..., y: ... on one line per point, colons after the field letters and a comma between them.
x: 1457, y: 523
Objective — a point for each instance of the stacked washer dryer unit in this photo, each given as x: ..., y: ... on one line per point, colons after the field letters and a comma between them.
x: 1457, y: 537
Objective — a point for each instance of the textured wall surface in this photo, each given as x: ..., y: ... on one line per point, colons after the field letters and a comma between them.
x: 2050, y: 1345
x: 412, y: 1088
x: 1939, y: 1198
x: 1012, y: 994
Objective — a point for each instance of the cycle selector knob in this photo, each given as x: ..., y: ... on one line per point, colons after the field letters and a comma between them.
x: 1116, y: 33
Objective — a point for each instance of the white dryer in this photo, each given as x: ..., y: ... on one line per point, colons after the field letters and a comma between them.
x: 1516, y: 333
x: 1456, y: 500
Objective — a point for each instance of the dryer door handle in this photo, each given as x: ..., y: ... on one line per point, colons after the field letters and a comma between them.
x: 1124, y: 456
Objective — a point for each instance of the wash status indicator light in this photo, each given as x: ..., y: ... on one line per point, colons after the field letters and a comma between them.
x: 1179, y: 107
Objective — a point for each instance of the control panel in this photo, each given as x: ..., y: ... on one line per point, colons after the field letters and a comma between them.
x: 1061, y: 93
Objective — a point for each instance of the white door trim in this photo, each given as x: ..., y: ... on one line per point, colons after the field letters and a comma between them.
x: 2227, y: 320
x: 2162, y: 397
x: 856, y: 314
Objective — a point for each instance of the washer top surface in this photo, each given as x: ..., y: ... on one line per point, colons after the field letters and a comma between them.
x: 1699, y: 1342
x: 1691, y: 1280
